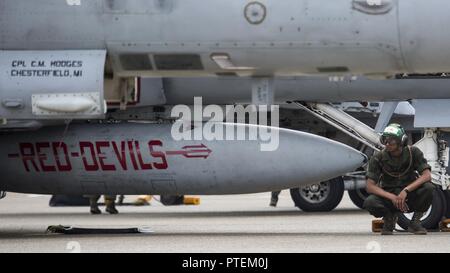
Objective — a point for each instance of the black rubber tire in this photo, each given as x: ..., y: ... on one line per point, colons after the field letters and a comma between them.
x: 172, y: 200
x: 358, y: 197
x: 438, y: 211
x: 447, y: 197
x: 334, y: 197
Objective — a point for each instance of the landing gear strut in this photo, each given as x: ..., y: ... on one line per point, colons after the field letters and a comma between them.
x: 2, y: 194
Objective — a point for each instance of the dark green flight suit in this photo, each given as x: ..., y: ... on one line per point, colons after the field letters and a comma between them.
x: 393, y: 174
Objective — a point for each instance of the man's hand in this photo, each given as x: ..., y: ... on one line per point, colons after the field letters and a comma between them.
x: 399, y: 201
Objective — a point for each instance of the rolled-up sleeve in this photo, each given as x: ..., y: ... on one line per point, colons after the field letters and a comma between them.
x: 420, y: 162
x: 374, y: 170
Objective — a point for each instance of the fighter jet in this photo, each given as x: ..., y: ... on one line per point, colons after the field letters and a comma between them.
x: 57, y: 56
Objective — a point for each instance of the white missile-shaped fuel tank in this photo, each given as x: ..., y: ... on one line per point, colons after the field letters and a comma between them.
x: 134, y: 158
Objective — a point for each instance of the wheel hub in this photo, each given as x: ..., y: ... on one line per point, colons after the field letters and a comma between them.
x: 315, y: 193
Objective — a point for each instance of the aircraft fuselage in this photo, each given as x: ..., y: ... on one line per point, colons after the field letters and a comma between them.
x: 290, y: 37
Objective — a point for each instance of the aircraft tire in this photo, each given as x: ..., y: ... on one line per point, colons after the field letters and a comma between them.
x: 320, y: 197
x: 358, y: 197
x: 434, y: 215
x: 447, y: 197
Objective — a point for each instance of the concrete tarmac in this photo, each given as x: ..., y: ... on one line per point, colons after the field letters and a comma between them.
x: 232, y: 224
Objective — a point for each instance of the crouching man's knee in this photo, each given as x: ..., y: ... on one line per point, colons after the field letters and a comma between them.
x: 427, y: 190
x: 375, y: 206
x: 424, y: 197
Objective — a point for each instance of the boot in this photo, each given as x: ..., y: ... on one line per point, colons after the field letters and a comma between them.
x: 415, y: 226
x: 95, y: 210
x: 273, y: 202
x: 390, y: 220
x: 94, y: 205
x: 111, y: 207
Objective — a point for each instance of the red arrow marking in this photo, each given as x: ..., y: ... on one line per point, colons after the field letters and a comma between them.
x: 195, y: 151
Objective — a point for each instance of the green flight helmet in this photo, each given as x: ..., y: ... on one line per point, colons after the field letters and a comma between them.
x: 395, y: 130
